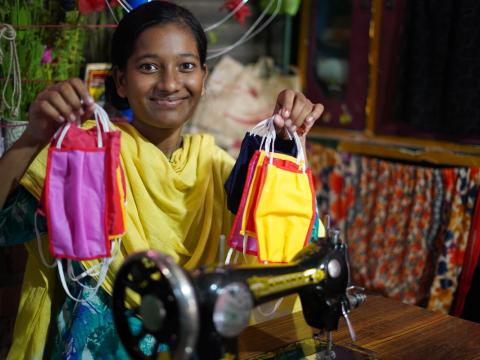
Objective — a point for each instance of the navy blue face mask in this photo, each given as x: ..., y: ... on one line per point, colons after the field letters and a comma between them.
x: 236, y: 180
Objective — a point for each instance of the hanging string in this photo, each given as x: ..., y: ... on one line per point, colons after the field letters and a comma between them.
x: 111, y: 11
x: 251, y: 32
x: 227, y: 17
x: 64, y: 26
x: 125, y: 5
x: 8, y: 33
x: 6, y: 125
x: 34, y: 81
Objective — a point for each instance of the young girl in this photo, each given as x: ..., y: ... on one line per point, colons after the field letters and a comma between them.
x: 176, y: 202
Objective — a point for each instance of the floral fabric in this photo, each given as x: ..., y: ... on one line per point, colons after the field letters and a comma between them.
x: 406, y: 225
x: 452, y: 251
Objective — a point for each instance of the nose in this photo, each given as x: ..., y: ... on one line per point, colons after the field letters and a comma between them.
x: 168, y: 81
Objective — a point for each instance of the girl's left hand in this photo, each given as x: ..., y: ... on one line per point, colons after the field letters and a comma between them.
x: 293, y: 111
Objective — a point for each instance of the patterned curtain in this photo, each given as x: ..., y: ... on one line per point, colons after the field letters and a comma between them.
x: 406, y: 225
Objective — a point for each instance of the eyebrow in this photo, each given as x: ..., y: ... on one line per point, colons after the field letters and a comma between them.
x: 155, y: 56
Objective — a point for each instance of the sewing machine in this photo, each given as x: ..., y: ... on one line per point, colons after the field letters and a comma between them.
x: 199, y: 314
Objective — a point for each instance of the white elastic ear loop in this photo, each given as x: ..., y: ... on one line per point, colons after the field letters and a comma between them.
x: 102, y: 122
x: 244, y: 250
x: 100, y: 127
x: 271, y: 312
x: 105, y: 263
x: 262, y: 125
x: 101, y: 117
x: 300, y: 151
x: 67, y: 290
x: 268, y: 139
x: 39, y: 242
x: 235, y: 260
x: 64, y: 283
x: 270, y: 142
x: 244, y: 244
x: 92, y: 271
x: 229, y: 256
x: 62, y: 135
x: 59, y: 130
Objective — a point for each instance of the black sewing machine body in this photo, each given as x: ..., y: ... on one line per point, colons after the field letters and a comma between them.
x: 320, y: 301
x: 216, y: 302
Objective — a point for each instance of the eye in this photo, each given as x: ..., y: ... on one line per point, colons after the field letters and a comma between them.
x: 187, y: 66
x: 148, y: 68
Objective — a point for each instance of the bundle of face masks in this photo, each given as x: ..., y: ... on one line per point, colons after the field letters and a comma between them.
x: 276, y: 212
x: 83, y: 198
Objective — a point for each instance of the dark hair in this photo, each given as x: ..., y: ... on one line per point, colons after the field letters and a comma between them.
x: 157, y: 12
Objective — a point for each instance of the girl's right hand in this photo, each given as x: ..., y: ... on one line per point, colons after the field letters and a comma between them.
x: 65, y: 101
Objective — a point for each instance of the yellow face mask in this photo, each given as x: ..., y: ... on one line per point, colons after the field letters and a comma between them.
x: 248, y: 223
x: 284, y: 211
x: 280, y: 206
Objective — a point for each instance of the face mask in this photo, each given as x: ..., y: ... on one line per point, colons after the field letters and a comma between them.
x: 277, y: 209
x: 284, y: 211
x: 84, y: 195
x: 244, y: 243
x: 251, y: 143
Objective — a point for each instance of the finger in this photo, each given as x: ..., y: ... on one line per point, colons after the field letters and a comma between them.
x: 285, y: 103
x: 316, y: 113
x: 280, y: 128
x: 304, y: 114
x: 299, y: 108
x: 50, y: 111
x: 311, y: 119
x: 56, y: 99
x: 43, y: 95
x: 82, y: 91
x: 70, y: 96
x: 88, y: 113
x: 279, y: 122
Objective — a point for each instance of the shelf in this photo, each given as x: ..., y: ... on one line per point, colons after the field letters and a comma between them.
x: 400, y: 148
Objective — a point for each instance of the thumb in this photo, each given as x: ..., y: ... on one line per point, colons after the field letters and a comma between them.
x: 280, y: 127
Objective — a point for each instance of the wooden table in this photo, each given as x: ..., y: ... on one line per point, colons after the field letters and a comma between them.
x: 389, y: 328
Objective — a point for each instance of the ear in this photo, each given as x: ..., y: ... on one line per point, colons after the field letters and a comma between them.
x: 205, y: 76
x: 120, y: 82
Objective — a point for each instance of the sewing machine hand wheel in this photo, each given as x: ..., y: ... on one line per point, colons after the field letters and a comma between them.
x: 156, y: 295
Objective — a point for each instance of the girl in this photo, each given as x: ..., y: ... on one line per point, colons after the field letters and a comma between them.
x: 175, y: 196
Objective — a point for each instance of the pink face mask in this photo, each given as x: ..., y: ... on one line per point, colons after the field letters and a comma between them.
x: 82, y: 199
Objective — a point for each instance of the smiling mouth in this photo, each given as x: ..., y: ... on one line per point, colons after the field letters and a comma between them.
x: 168, y: 103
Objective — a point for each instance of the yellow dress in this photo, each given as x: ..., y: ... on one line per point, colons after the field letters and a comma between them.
x: 177, y: 207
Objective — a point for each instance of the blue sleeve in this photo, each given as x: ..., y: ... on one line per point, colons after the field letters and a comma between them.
x: 17, y: 218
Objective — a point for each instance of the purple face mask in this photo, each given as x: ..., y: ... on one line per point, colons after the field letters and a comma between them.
x: 76, y: 197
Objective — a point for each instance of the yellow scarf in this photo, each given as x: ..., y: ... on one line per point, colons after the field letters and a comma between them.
x: 176, y: 207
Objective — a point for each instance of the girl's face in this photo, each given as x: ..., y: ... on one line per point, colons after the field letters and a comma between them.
x: 164, y: 78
